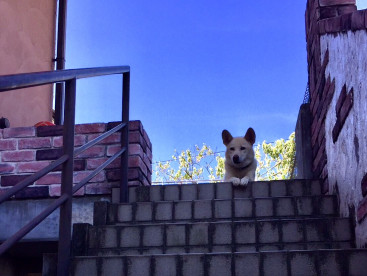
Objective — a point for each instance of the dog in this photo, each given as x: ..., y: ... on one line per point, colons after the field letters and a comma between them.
x: 240, y: 163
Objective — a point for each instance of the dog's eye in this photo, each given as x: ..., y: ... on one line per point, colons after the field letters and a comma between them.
x: 231, y: 149
x: 243, y: 148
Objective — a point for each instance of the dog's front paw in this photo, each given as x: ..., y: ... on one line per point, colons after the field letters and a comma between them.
x: 235, y: 181
x: 244, y: 181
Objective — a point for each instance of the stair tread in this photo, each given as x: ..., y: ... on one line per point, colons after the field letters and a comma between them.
x: 248, y: 220
x: 221, y: 209
x: 224, y: 199
x: 183, y: 222
x: 264, y: 247
x: 326, y: 250
x: 293, y: 262
x: 225, y: 190
x: 212, y: 236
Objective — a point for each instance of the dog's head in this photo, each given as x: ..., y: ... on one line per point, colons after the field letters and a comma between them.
x: 239, y: 151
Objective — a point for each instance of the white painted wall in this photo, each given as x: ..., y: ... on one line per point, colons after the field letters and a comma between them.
x: 346, y: 164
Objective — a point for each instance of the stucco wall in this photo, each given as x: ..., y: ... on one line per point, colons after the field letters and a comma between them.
x: 27, y: 44
x: 347, y: 157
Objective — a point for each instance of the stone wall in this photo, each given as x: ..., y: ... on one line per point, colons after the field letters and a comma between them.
x: 26, y: 150
x: 337, y: 59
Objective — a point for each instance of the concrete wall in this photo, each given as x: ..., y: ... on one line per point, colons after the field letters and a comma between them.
x: 7, y: 267
x: 15, y: 214
x: 303, y: 143
x: 347, y: 157
x: 27, y: 44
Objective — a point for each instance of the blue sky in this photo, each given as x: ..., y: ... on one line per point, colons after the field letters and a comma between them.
x: 197, y: 67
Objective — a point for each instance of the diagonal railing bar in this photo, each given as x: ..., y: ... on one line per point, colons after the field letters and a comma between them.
x: 11, y: 82
x: 32, y: 224
x: 98, y: 170
x: 32, y: 178
x: 98, y: 139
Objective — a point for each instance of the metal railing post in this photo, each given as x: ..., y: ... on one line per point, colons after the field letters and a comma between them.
x: 124, y: 191
x: 67, y: 180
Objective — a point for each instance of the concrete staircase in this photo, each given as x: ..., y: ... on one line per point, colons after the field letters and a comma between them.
x: 268, y: 228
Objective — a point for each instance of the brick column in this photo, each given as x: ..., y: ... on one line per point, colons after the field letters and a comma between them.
x: 321, y: 87
x: 26, y: 150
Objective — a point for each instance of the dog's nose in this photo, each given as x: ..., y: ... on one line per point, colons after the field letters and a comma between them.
x: 236, y: 159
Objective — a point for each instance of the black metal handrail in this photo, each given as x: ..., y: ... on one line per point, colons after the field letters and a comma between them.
x: 11, y: 82
x: 69, y: 77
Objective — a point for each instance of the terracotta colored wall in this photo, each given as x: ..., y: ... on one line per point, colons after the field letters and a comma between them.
x: 27, y: 44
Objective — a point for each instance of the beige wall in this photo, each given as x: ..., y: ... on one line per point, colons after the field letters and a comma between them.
x: 27, y: 43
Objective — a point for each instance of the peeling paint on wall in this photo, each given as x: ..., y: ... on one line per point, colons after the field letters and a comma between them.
x: 347, y: 157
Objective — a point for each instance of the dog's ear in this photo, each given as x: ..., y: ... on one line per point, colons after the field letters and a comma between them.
x: 250, y: 136
x: 227, y: 137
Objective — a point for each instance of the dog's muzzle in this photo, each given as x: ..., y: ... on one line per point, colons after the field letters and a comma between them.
x: 236, y: 159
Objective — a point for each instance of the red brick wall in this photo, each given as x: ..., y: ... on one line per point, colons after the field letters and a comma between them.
x: 324, y: 16
x: 26, y: 150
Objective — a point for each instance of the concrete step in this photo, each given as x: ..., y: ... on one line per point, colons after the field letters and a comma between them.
x: 313, y: 262
x: 226, y: 236
x: 215, y: 210
x: 223, y: 190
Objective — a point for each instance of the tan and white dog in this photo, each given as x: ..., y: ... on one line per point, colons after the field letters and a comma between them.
x: 240, y: 163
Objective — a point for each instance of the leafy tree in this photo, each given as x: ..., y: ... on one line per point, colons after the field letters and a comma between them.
x: 275, y: 161
x: 191, y: 165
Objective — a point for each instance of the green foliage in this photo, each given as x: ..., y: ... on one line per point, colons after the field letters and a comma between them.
x: 191, y: 165
x: 275, y: 161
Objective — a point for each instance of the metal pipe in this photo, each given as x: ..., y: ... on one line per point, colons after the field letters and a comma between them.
x: 60, y: 61
x: 61, y: 35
